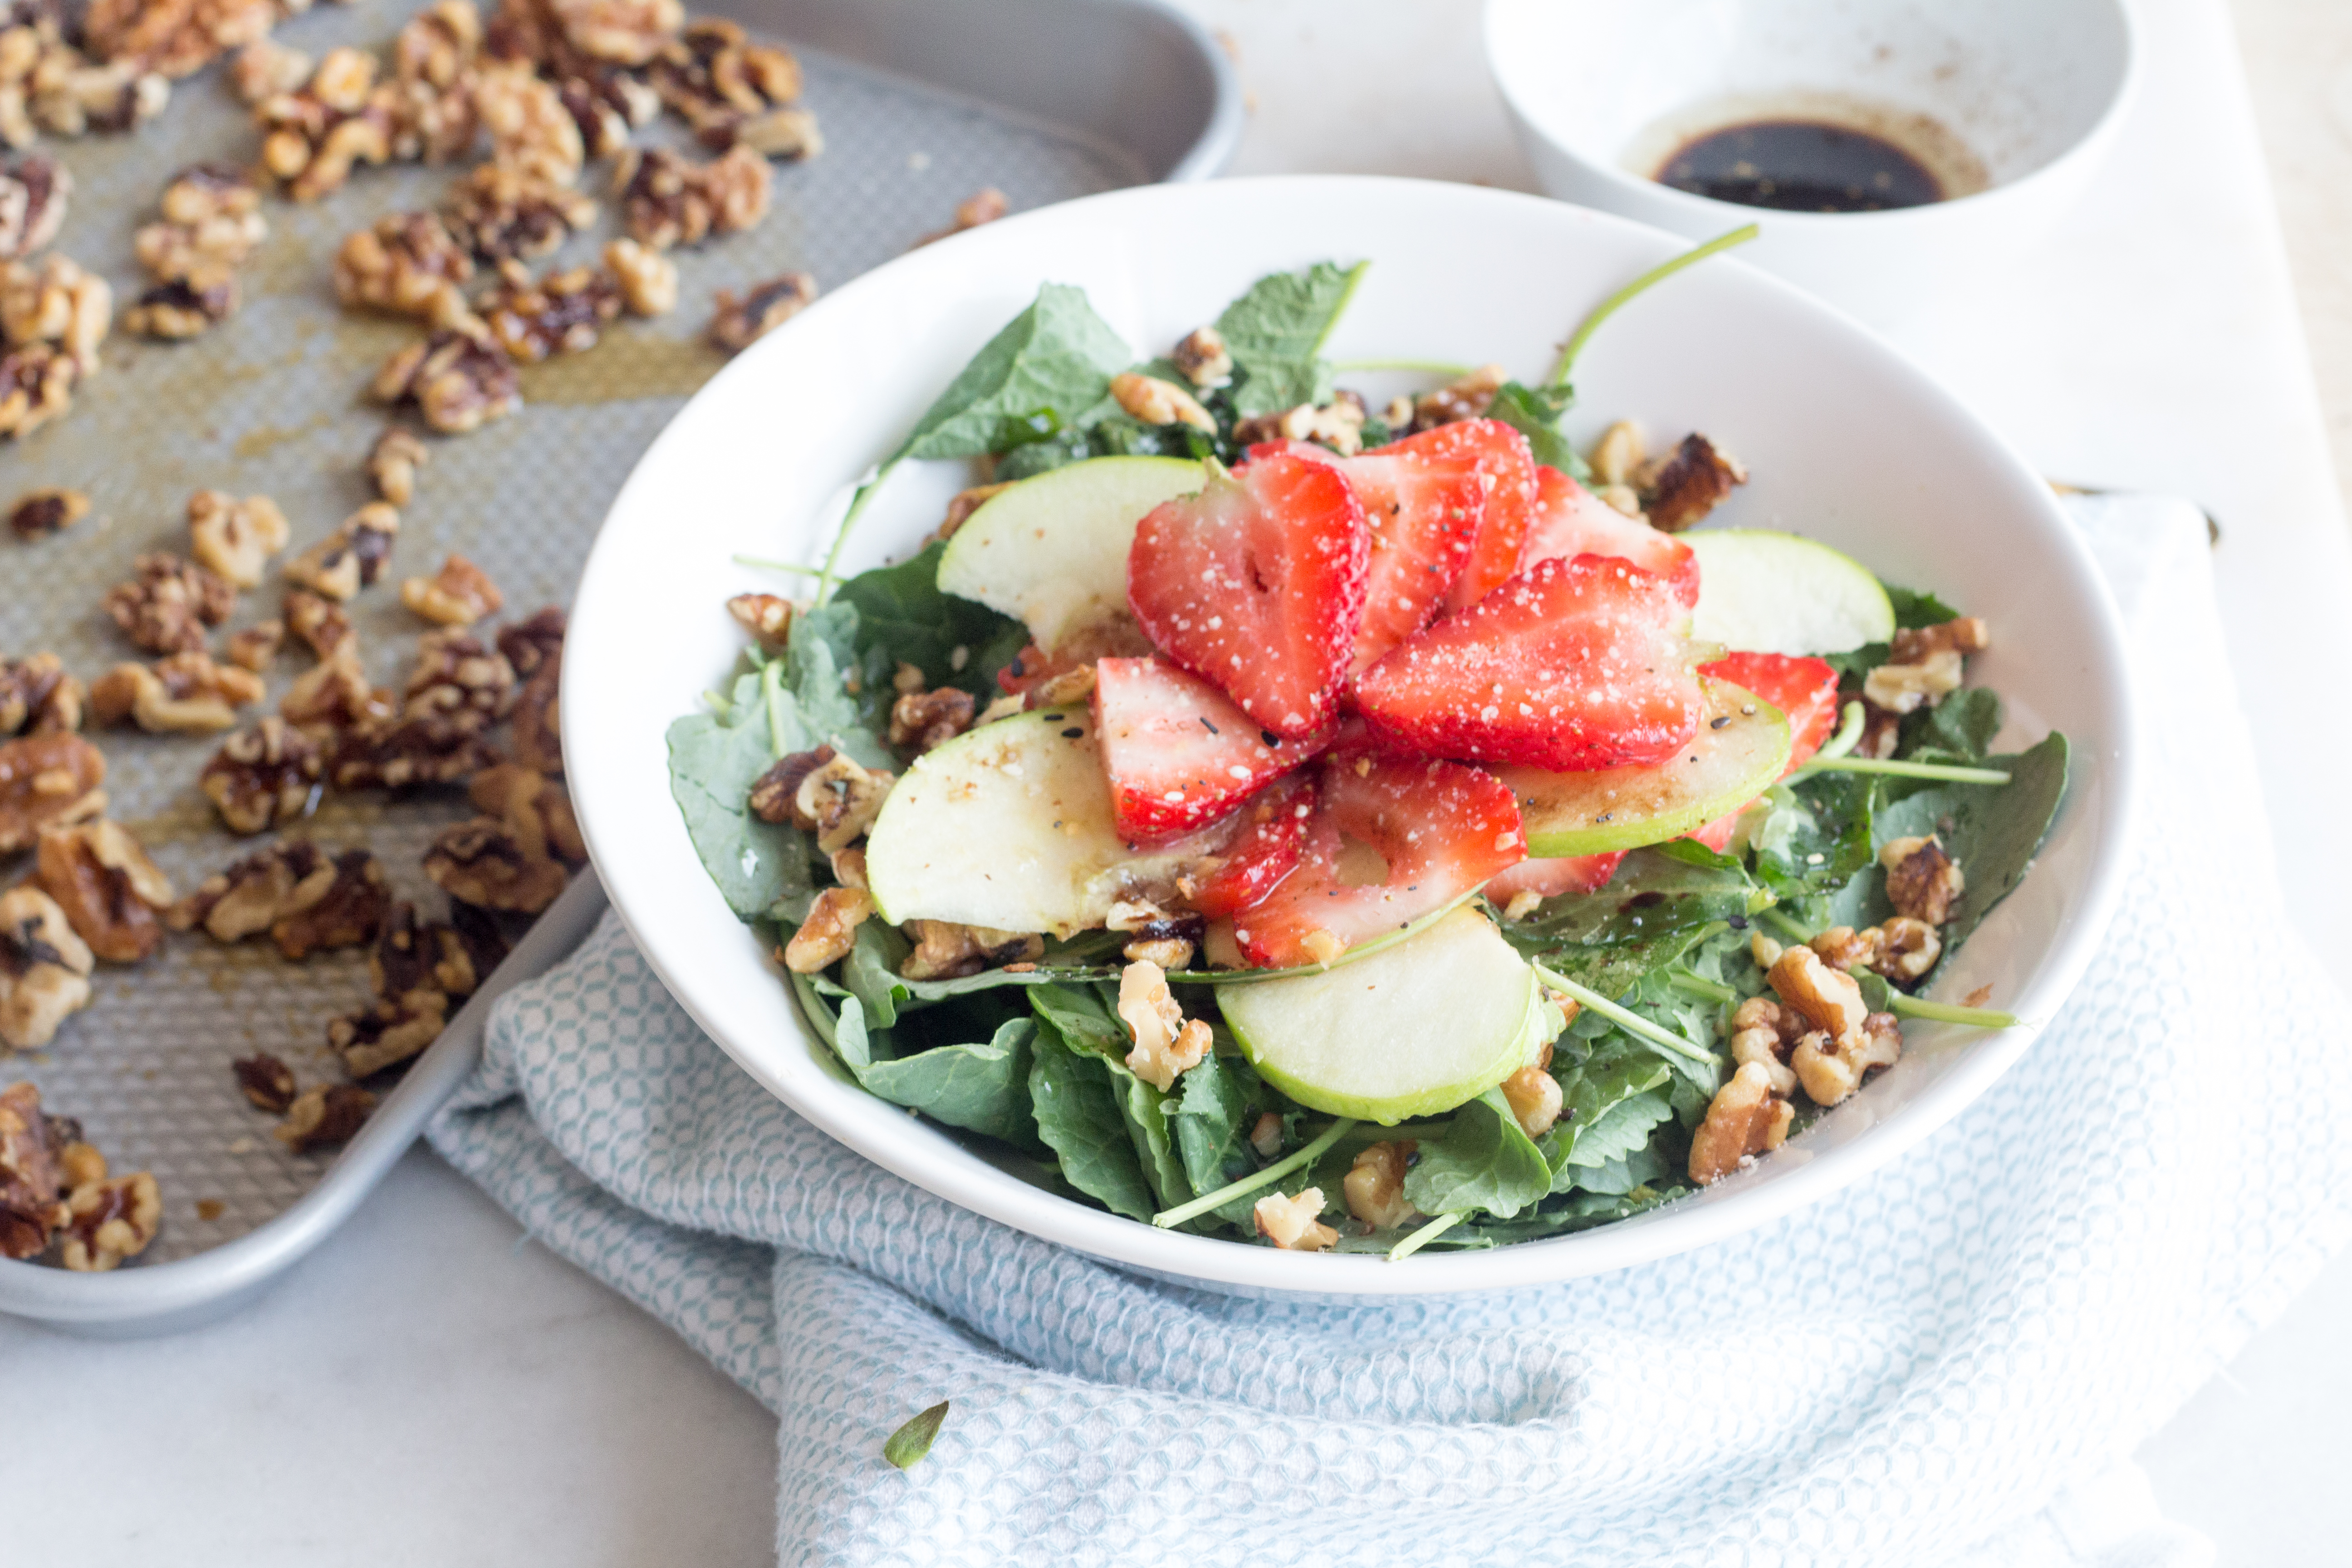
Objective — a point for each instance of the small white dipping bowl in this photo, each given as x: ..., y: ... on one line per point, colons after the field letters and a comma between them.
x: 1602, y: 90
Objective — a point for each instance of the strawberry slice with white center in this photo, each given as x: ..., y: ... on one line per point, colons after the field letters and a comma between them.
x: 1179, y: 753
x: 1806, y: 690
x: 1507, y: 471
x: 1572, y: 665
x: 1256, y: 585
x: 1391, y: 840
x: 1571, y: 520
x: 1554, y: 875
x: 1423, y: 499
x: 1262, y: 850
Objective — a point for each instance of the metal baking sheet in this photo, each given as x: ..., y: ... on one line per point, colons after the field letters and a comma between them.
x: 273, y: 402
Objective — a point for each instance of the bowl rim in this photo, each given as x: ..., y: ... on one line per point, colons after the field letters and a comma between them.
x: 2085, y: 150
x: 1215, y: 1263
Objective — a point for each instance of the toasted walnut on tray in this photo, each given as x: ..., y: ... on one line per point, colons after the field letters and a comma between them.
x: 458, y: 596
x: 456, y: 379
x: 351, y: 558
x: 434, y: 59
x: 666, y: 200
x: 109, y: 891
x: 324, y: 1116
x: 514, y: 856
x: 170, y: 605
x: 185, y: 693
x: 211, y: 220
x: 47, y: 84
x: 233, y: 539
x: 38, y: 697
x: 312, y: 139
x: 408, y: 264
x: 535, y: 649
x: 44, y: 968
x: 262, y: 777
x: 55, y: 1187
x: 562, y: 313
x: 45, y: 781
x: 174, y: 37
x: 531, y: 133
x: 736, y: 92
x: 499, y: 214
x: 53, y: 317
x: 421, y: 973
x: 33, y: 192
x: 393, y: 462
x: 307, y: 903
x: 736, y: 324
x: 40, y: 514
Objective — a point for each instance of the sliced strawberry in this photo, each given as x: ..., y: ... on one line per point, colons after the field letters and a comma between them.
x: 1571, y: 666
x: 1806, y: 690
x: 1262, y: 850
x: 1179, y: 753
x: 1389, y: 841
x: 1571, y: 520
x: 1256, y: 585
x: 1509, y: 471
x: 1423, y: 499
x: 1550, y: 878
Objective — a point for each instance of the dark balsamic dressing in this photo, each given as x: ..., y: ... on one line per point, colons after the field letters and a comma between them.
x: 1801, y: 165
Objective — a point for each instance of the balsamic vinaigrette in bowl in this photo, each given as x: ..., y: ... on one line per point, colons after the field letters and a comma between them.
x: 1808, y: 151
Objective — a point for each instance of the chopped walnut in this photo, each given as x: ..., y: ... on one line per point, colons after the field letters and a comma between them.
x: 790, y: 134
x: 60, y: 305
x: 1204, y: 358
x: 720, y: 83
x: 1833, y: 1067
x: 434, y: 116
x: 184, y: 307
x: 1534, y: 1097
x: 46, y: 780
x: 459, y: 382
x: 314, y: 138
x: 262, y: 777
x: 500, y: 215
x: 767, y: 617
x: 836, y: 799
x: 460, y: 678
x: 1467, y: 397
x: 1339, y: 425
x: 268, y: 1082
x: 962, y: 504
x: 265, y: 69
x: 1155, y: 402
x: 387, y: 1032
x: 826, y: 938
x: 100, y: 876
x: 185, y: 693
x: 339, y: 904
x: 32, y: 192
x: 1906, y: 688
x: 40, y: 514
x: 1745, y: 1119
x: 393, y: 462
x: 987, y: 205
x: 407, y: 265
x: 248, y: 895
x: 1907, y: 950
x: 235, y: 538
x: 667, y: 200
x: 458, y: 596
x: 562, y: 313
x: 773, y: 793
x: 1843, y: 947
x: 36, y: 384
x: 1764, y: 1032
x: 648, y: 279
x: 385, y: 751
x: 412, y: 960
x: 31, y: 1178
x: 531, y: 133
x: 509, y: 859
x: 537, y: 731
x: 1961, y: 635
x: 736, y: 324
x: 1265, y: 1135
x: 108, y: 1221
x: 920, y: 721
x: 1923, y: 882
x: 1166, y: 1045
x: 324, y: 1116
x: 254, y: 646
x: 211, y: 223
x: 1828, y: 998
x: 173, y: 38
x: 48, y: 82
x: 38, y: 697
x: 44, y: 968
x: 167, y: 607
x: 351, y: 558
x: 1679, y: 490
x: 1290, y: 1223
x: 1374, y: 1186
x: 615, y: 32
x: 320, y: 623
x: 945, y: 949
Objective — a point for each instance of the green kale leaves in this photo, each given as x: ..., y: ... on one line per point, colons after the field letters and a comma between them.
x: 1050, y: 364
x: 1275, y: 333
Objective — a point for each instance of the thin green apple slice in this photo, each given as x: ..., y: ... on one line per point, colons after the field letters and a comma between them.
x: 1410, y: 1031
x: 1761, y: 592
x: 1742, y: 745
x: 1051, y: 551
x: 1010, y: 826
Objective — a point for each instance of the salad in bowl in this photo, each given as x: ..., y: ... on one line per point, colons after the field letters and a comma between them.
x: 1350, y: 823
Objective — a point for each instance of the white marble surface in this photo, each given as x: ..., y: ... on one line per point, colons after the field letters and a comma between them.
x: 430, y: 1388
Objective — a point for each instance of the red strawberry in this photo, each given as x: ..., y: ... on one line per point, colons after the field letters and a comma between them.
x: 1262, y: 850
x: 1550, y: 878
x: 1389, y: 841
x: 1180, y: 755
x: 1806, y: 690
x: 1571, y: 520
x: 1508, y: 471
x: 1256, y: 585
x: 1422, y: 498
x: 1571, y: 666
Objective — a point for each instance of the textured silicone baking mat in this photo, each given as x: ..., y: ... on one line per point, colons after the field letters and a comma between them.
x: 273, y: 402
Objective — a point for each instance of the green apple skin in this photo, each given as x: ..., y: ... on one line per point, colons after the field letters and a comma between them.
x: 1762, y: 592
x: 1411, y: 1030
x: 1051, y: 551
x: 1742, y: 748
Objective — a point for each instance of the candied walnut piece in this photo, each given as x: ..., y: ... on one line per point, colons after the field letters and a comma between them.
x: 773, y: 793
x: 790, y: 134
x: 393, y: 462
x: 109, y: 889
x: 248, y: 895
x: 736, y: 324
x: 1290, y: 1223
x: 320, y: 623
x: 38, y: 697
x: 173, y: 38
x: 500, y: 215
x: 1898, y: 688
x: 405, y: 265
x: 1204, y: 359
x: 648, y: 279
x: 433, y: 119
x: 1155, y: 402
x: 826, y: 938
x: 1679, y: 490
x: 45, y: 781
x: 1467, y: 397
x: 1923, y: 882
x: 767, y: 617
x: 412, y: 959
x: 1743, y: 1120
x: 458, y: 596
x: 1828, y: 998
x: 534, y: 643
x: 339, y: 904
x: 536, y: 807
x: 987, y: 205
x: 559, y: 313
x: 186, y: 693
x: 1166, y: 1045
x: 1764, y: 1032
x: 324, y: 1116
x: 1374, y: 1186
x: 666, y: 200
x: 387, y: 1032
x: 392, y: 752
x: 44, y: 968
x: 30, y: 1176
x: 268, y: 1082
x: 265, y: 69
x: 211, y: 224
x: 1907, y: 950
x: 168, y: 606
x: 536, y: 735
x: 459, y: 382
x: 253, y: 648
x: 837, y: 800
x: 1339, y: 425
x: 1832, y: 1068
x: 40, y: 514
x: 617, y: 32
x: 32, y: 192
x: 333, y: 696
x: 312, y: 139
x: 488, y: 862
x: 722, y: 85
x: 458, y: 677
x: 57, y: 304
x: 1961, y: 635
x: 262, y: 776
x: 531, y: 132
x: 183, y: 308
x: 108, y: 1221
x: 1534, y: 1097
x: 36, y: 384
x: 235, y: 538
x: 947, y: 951
x: 920, y: 721
x: 351, y: 558
x: 962, y: 504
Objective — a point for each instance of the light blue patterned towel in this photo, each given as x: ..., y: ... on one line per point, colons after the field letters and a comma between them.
x: 1964, y: 1347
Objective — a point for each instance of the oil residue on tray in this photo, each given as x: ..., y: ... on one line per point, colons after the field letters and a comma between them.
x: 626, y: 365
x: 1801, y: 165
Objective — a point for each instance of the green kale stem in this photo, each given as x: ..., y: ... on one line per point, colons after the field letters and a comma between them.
x: 1625, y: 1018
x: 1607, y: 308
x: 1910, y: 1006
x: 1421, y: 366
x: 771, y: 687
x: 1425, y: 1234
x: 1939, y: 771
x: 1252, y: 1183
x: 1848, y: 736
x: 766, y: 565
x: 1789, y: 924
x: 857, y: 504
x: 1685, y: 980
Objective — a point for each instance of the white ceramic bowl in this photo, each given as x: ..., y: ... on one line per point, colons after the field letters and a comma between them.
x: 1601, y: 91
x: 1846, y: 440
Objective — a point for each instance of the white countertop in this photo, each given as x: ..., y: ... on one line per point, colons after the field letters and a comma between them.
x: 432, y: 1388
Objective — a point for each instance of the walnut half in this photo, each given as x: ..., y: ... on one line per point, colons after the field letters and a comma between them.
x: 44, y: 968
x: 46, y: 780
x: 100, y: 876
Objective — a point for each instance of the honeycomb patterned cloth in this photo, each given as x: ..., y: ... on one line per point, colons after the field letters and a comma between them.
x: 1949, y: 1362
